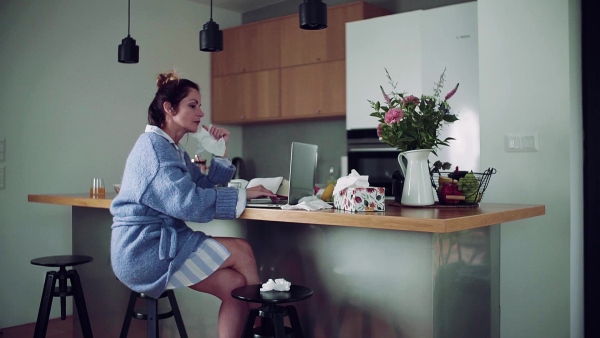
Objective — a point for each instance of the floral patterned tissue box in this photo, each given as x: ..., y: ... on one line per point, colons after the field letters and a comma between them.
x: 360, y: 199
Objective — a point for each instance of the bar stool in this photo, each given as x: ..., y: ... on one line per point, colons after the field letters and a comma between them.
x: 63, y: 290
x: 272, y: 313
x: 152, y: 316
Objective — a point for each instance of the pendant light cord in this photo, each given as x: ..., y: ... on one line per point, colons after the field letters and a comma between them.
x: 210, y: 10
x: 129, y: 16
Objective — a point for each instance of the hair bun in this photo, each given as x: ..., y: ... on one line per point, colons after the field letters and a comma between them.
x: 166, y: 77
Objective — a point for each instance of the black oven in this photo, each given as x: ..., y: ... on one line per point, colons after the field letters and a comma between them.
x: 369, y: 156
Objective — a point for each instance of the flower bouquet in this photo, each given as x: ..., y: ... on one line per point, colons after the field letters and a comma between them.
x: 407, y: 122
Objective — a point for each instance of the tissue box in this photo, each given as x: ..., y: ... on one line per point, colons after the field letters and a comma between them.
x: 360, y: 199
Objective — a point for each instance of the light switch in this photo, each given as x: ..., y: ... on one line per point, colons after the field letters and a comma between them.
x: 521, y: 142
x: 513, y: 142
x: 2, y: 149
x: 2, y: 178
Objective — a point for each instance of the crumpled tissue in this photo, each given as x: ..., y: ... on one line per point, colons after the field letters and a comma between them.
x: 354, y: 180
x: 279, y: 284
x: 207, y: 142
x: 310, y: 203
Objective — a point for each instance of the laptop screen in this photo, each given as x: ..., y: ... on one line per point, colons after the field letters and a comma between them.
x: 303, y: 168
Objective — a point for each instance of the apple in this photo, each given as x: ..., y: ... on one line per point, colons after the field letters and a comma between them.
x: 450, y: 189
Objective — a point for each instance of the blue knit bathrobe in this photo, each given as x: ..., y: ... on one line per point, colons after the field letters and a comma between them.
x: 150, y: 240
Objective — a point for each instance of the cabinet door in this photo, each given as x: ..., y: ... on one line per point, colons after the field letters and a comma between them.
x: 245, y: 98
x: 315, y: 90
x: 370, y: 53
x: 300, y: 46
x: 248, y: 48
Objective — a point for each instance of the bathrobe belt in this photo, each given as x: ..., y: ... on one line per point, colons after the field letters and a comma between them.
x: 167, y: 242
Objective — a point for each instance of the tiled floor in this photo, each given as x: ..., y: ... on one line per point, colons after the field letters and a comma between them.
x: 56, y: 329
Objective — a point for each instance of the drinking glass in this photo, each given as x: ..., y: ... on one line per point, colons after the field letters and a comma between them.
x: 97, y: 188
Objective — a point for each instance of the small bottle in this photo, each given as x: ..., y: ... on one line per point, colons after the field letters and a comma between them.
x: 332, y: 179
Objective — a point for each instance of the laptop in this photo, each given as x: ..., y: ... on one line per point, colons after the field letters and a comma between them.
x: 303, y: 169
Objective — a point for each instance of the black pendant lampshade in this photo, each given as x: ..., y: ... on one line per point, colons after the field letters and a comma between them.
x: 211, y: 38
x: 313, y: 15
x: 129, y: 52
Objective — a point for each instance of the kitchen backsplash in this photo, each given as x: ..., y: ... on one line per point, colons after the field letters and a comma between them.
x: 266, y: 148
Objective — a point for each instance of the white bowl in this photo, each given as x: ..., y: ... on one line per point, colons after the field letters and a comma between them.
x: 117, y: 187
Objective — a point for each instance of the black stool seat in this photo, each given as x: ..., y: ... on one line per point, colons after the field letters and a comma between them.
x: 62, y: 276
x: 272, y: 313
x: 61, y: 261
x: 151, y: 315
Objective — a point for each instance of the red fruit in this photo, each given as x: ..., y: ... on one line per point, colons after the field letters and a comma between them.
x: 450, y: 189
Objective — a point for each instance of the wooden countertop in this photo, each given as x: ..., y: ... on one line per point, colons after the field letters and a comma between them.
x: 436, y: 220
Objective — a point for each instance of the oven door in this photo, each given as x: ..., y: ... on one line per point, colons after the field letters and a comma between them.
x: 377, y: 160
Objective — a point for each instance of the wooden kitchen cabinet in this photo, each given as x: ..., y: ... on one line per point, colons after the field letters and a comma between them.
x: 246, y: 97
x: 315, y: 90
x: 300, y: 46
x: 272, y: 70
x: 248, y: 48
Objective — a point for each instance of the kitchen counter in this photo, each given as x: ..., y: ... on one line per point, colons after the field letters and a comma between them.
x: 430, y: 219
x: 409, y: 272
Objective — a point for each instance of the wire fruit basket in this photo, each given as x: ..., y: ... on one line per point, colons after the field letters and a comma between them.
x: 460, y: 187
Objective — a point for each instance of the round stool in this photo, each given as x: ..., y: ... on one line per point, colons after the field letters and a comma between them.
x: 152, y: 316
x: 63, y: 290
x: 271, y: 312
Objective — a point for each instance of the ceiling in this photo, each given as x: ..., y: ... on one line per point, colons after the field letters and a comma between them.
x: 241, y: 6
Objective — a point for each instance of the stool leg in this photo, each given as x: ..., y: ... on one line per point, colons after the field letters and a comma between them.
x: 278, y: 324
x: 62, y: 289
x: 250, y: 318
x: 77, y: 289
x: 177, y: 314
x: 294, y: 321
x: 127, y: 320
x: 152, y: 306
x: 45, y: 305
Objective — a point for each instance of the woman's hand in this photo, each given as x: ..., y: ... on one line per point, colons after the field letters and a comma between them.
x: 258, y: 191
x: 217, y: 133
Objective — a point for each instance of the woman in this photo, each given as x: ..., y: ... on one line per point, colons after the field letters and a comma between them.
x: 152, y: 248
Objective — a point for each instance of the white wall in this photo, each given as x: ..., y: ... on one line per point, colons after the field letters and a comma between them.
x: 529, y: 81
x: 69, y: 112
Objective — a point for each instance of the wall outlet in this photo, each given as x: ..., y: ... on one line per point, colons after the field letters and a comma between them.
x: 521, y: 142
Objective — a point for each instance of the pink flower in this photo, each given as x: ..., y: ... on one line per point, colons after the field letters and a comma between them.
x: 449, y: 95
x: 379, y: 129
x: 385, y: 96
x: 393, y: 115
x: 411, y: 99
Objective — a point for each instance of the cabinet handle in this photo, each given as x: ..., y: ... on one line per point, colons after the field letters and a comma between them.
x: 318, y: 112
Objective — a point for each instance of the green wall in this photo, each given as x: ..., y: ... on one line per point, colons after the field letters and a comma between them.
x: 69, y: 112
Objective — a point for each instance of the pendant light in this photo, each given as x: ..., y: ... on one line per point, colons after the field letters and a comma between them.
x: 211, y: 38
x: 129, y: 52
x: 313, y: 15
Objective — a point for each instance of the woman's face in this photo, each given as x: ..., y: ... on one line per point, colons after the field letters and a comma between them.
x: 188, y: 112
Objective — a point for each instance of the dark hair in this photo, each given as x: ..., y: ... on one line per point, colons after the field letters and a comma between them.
x: 171, y: 89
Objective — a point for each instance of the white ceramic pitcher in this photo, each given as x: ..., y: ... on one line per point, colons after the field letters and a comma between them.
x: 417, y: 190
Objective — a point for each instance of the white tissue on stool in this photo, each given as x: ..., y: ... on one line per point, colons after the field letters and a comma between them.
x: 279, y: 284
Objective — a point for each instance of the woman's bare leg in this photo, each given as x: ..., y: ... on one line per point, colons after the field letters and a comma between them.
x: 242, y: 258
x: 232, y: 312
x: 239, y: 269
